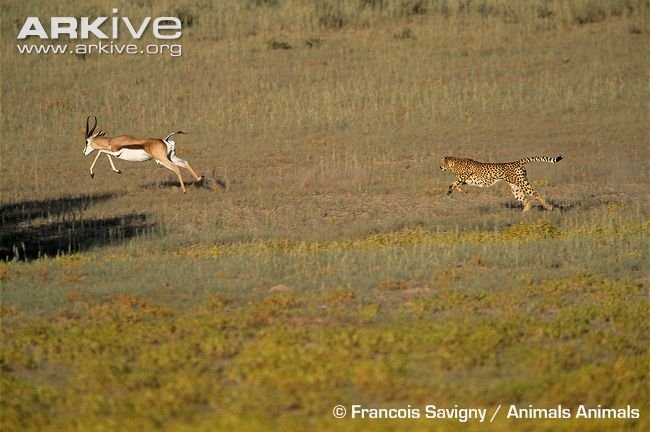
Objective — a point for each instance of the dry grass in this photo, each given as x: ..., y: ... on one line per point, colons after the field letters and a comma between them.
x: 324, y: 264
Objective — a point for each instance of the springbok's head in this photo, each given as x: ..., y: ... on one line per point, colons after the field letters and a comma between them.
x: 90, y: 135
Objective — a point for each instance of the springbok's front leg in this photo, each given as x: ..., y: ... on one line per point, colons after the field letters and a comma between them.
x: 92, y: 174
x: 112, y: 165
x: 99, y: 153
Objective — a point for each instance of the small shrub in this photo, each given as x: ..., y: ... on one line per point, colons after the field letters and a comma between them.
x: 330, y: 16
x: 254, y: 4
x: 407, y: 33
x: 539, y: 229
x: 187, y: 17
x: 313, y: 42
x: 372, y: 4
x: 278, y: 44
x: 413, y: 7
x: 591, y: 13
x: 544, y: 12
x: 635, y: 29
x: 394, y: 285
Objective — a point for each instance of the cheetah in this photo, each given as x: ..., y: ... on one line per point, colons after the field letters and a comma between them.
x: 481, y: 174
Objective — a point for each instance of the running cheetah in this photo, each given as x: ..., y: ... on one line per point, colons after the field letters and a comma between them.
x: 471, y: 172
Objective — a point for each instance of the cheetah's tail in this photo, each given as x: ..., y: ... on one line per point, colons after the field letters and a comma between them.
x: 540, y: 159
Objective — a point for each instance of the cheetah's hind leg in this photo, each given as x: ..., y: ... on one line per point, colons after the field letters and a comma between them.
x: 530, y: 191
x: 521, y: 197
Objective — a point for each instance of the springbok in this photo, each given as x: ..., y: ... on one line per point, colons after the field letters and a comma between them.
x: 129, y: 148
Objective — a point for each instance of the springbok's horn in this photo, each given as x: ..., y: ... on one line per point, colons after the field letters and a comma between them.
x: 89, y: 131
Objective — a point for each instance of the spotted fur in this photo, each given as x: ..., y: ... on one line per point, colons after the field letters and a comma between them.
x: 482, y: 174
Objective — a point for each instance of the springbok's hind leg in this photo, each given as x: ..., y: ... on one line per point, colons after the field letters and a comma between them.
x: 198, y: 179
x: 159, y: 153
x: 184, y: 164
x: 170, y: 166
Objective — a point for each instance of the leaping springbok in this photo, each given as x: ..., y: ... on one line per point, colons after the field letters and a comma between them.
x: 129, y: 148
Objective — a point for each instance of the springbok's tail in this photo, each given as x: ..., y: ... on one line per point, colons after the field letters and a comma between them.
x: 174, y: 133
x: 540, y: 159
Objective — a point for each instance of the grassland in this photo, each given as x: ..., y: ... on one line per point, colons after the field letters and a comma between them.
x: 324, y: 264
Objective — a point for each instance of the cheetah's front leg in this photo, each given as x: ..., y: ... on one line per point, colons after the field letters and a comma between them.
x: 456, y: 185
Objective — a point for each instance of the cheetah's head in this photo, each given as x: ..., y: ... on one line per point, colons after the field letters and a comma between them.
x: 444, y: 163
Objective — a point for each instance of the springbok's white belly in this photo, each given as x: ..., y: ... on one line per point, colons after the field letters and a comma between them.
x: 131, y: 155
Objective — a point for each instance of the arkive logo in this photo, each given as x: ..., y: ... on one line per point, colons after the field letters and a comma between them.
x: 106, y: 32
x: 81, y: 28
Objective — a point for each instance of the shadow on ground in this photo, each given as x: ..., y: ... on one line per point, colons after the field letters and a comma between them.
x: 213, y: 184
x: 33, y: 229
x: 557, y: 206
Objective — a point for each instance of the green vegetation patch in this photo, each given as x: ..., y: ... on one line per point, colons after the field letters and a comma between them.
x: 289, y: 358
